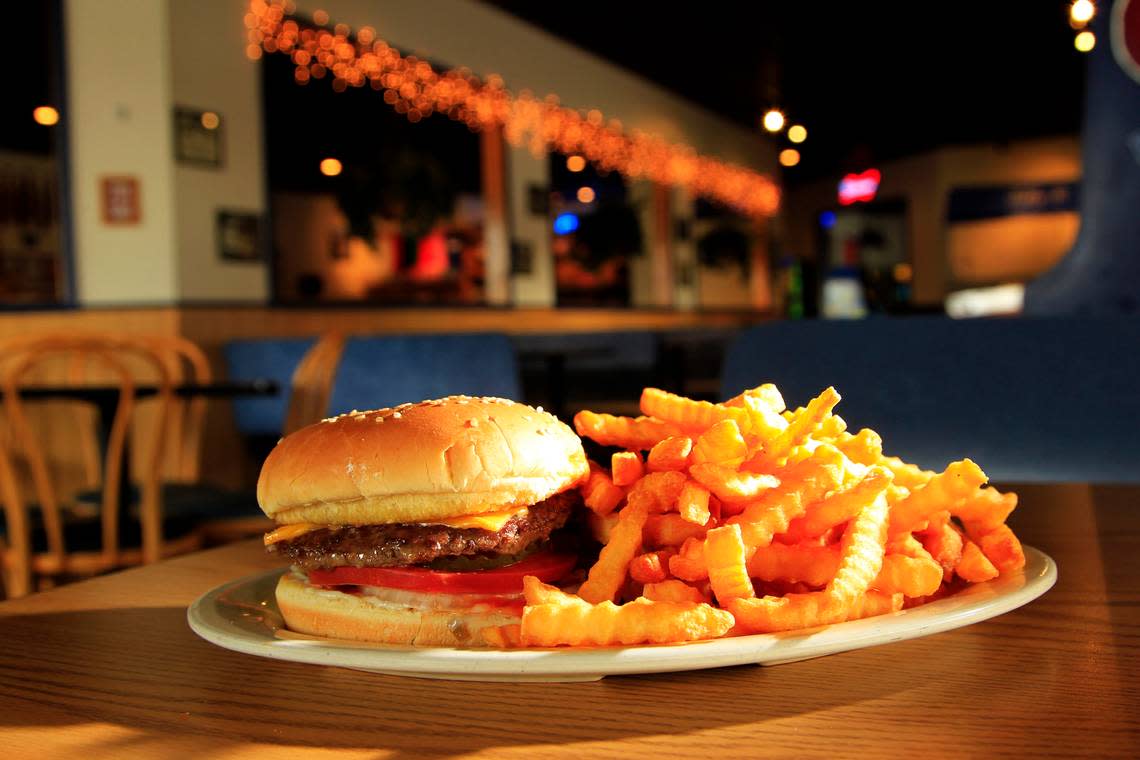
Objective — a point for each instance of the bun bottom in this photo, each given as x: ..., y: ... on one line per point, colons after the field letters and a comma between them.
x: 336, y: 615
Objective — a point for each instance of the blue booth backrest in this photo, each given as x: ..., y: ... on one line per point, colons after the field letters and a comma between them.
x: 1027, y: 399
x: 378, y: 372
x: 593, y: 351
x: 269, y: 358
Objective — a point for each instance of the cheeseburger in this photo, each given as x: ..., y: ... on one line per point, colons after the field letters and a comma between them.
x: 415, y: 525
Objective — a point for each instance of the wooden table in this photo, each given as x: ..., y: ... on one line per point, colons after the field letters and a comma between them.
x: 108, y: 668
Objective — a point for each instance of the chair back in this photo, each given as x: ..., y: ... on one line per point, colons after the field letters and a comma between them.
x: 275, y: 359
x: 385, y: 371
x: 1028, y: 399
x: 312, y: 382
x: 106, y: 361
x: 187, y: 364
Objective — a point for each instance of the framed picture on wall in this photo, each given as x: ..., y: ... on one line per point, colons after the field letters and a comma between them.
x: 239, y: 235
x: 198, y: 137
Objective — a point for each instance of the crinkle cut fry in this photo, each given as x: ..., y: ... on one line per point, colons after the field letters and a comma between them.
x: 974, y: 566
x: 599, y: 493
x: 673, y: 590
x: 609, y: 572
x: 839, y: 506
x: 802, y: 424
x: 691, y: 415
x: 864, y: 447
x: 723, y: 443
x: 957, y: 482
x: 795, y: 611
x: 693, y: 503
x: 985, y: 509
x: 816, y: 565
x: 624, y: 432
x: 767, y: 394
x: 627, y: 467
x: 724, y: 557
x: 557, y: 619
x: 670, y: 454
x: 907, y: 475
x: 730, y: 485
x: 801, y: 484
x: 1000, y: 546
x: 671, y: 530
x: 944, y: 544
x: 813, y: 565
x: 861, y: 561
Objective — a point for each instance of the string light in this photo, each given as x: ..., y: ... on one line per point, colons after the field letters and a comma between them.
x: 330, y: 167
x: 46, y: 116
x: 773, y: 120
x: 586, y: 194
x: 797, y: 133
x: 1085, y: 41
x: 575, y: 163
x: 789, y: 157
x: 415, y: 89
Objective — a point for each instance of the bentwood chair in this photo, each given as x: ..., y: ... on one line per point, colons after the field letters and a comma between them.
x: 312, y: 383
x: 187, y: 364
x: 45, y: 538
x: 310, y: 386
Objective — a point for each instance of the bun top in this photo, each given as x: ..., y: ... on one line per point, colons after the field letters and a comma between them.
x: 420, y: 462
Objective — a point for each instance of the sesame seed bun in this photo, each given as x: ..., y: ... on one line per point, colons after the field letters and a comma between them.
x: 420, y: 462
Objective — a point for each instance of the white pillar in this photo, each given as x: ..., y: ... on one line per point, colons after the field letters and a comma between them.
x: 119, y: 120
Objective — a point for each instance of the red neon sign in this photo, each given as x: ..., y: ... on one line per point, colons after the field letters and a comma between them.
x: 859, y: 187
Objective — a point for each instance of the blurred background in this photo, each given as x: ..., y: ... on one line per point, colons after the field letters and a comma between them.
x: 620, y: 191
x: 910, y: 155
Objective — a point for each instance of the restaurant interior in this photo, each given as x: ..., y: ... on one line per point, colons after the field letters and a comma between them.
x: 222, y: 221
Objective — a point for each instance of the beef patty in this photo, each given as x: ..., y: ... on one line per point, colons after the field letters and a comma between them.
x: 415, y: 544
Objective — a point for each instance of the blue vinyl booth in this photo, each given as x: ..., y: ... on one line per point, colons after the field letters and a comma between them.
x: 1030, y: 400
x: 376, y: 372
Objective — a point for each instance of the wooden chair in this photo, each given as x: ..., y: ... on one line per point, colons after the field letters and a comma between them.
x: 310, y: 390
x: 186, y: 363
x: 312, y: 383
x: 46, y: 540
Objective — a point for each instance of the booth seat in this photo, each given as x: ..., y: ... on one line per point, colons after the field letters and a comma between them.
x: 1029, y: 399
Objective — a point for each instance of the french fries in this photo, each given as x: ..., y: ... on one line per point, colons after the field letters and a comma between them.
x: 745, y: 517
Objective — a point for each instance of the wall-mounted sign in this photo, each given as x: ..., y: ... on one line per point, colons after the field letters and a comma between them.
x: 121, y: 200
x: 856, y: 188
x: 968, y: 204
x: 197, y: 136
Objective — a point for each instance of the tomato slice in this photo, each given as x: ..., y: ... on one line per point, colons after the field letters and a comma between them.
x: 546, y: 566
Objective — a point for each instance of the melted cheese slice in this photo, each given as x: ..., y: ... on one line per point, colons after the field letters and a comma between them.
x: 492, y: 521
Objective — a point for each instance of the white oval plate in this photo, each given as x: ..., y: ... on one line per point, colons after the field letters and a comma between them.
x: 243, y: 616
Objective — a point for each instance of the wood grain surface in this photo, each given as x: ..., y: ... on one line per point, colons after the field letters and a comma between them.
x: 109, y: 668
